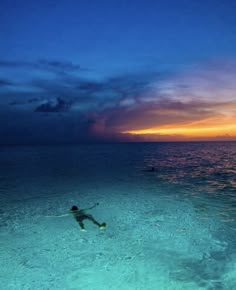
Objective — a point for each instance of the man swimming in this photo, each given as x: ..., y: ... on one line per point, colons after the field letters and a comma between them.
x: 80, y: 215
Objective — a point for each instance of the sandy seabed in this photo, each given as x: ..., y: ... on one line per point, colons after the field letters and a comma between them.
x: 153, y: 241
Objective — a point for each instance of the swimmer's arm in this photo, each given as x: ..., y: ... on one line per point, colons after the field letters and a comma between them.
x: 57, y: 216
x: 91, y: 206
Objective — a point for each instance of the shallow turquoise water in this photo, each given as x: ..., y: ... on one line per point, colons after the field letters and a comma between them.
x: 171, y: 228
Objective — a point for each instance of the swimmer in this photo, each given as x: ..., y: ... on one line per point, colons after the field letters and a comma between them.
x: 80, y: 215
x: 151, y: 169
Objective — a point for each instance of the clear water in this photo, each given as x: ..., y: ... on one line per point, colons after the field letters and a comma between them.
x: 173, y: 228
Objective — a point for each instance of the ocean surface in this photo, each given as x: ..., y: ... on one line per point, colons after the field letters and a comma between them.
x: 170, y: 210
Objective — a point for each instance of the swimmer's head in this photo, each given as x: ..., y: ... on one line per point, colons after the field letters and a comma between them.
x: 74, y: 208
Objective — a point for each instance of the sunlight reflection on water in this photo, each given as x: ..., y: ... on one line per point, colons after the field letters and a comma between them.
x: 205, y: 172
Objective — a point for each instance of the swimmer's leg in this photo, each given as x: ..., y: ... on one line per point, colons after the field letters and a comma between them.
x: 81, y: 224
x: 101, y: 226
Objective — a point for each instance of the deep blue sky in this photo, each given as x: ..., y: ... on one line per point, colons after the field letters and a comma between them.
x: 108, y: 35
x: 81, y: 61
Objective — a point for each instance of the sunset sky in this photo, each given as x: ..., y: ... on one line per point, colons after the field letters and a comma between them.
x: 114, y: 70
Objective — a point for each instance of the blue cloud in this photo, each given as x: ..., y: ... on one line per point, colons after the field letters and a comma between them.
x: 55, y: 106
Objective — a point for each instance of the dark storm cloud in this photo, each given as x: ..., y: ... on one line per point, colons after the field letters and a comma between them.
x: 55, y: 106
x: 122, y: 84
x: 89, y: 95
x: 102, y: 110
x: 77, y: 92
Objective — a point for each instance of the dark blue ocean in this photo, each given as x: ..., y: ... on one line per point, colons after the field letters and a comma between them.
x: 170, y: 211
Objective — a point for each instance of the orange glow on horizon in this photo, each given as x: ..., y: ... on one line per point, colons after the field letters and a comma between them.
x: 201, y: 129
